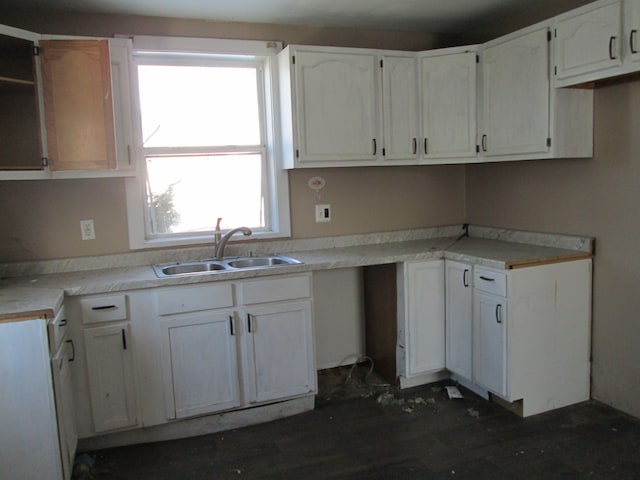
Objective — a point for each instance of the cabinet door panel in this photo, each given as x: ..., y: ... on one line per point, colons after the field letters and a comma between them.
x: 516, y: 96
x: 449, y: 106
x: 632, y: 29
x: 200, y: 364
x: 111, y: 377
x: 78, y: 104
x: 336, y: 103
x: 280, y: 351
x: 400, y: 107
x: 458, y: 311
x: 425, y: 317
x: 490, y: 342
x: 589, y: 42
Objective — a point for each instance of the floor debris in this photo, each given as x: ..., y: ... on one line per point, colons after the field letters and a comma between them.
x: 453, y: 392
x: 473, y: 412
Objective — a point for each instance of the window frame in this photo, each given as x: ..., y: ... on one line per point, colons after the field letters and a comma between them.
x: 146, y: 50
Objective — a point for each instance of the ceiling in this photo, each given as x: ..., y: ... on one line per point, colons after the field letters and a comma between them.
x: 433, y: 16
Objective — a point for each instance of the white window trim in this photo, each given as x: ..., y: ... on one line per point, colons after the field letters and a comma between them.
x: 280, y: 221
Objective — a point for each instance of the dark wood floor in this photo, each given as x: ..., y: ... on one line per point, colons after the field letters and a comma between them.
x: 426, y: 437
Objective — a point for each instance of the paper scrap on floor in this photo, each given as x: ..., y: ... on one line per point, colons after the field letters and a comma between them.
x: 453, y: 392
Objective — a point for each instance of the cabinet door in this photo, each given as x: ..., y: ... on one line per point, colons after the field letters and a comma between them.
x: 400, y: 108
x: 490, y: 342
x: 280, y: 351
x: 458, y: 310
x: 449, y: 106
x: 76, y: 82
x: 515, y: 100
x: 336, y: 106
x: 111, y: 377
x: 588, y: 42
x: 632, y: 29
x: 65, y: 411
x: 200, y: 365
x: 424, y: 307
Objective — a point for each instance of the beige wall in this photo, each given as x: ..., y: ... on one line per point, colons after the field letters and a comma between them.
x: 598, y: 197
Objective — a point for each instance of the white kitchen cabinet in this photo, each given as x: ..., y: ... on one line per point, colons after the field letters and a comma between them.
x: 200, y: 363
x: 280, y: 351
x: 110, y: 376
x: 515, y: 95
x: 231, y: 345
x: 421, y: 322
x: 531, y: 334
x: 400, y: 107
x: 37, y: 429
x: 448, y: 94
x: 490, y: 342
x: 522, y: 118
x: 458, y: 318
x: 329, y: 106
x: 588, y: 41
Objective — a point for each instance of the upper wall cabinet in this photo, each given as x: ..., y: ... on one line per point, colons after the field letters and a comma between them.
x: 521, y: 116
x: 588, y: 41
x: 448, y: 82
x: 330, y: 109
x: 515, y: 95
x: 400, y: 107
x: 597, y: 41
x: 75, y: 119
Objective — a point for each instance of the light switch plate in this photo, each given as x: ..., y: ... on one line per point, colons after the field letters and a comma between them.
x: 87, y: 230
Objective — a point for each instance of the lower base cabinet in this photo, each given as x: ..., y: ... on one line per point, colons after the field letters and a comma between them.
x: 216, y: 358
x: 529, y: 331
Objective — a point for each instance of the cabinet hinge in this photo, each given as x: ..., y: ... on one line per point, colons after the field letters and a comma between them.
x: 384, y: 152
x: 45, y: 161
x: 293, y: 59
x: 555, y: 32
x: 548, y: 35
x: 548, y: 141
x: 297, y: 153
x: 381, y: 63
x: 477, y: 58
x: 555, y: 70
x: 477, y: 148
x: 36, y: 51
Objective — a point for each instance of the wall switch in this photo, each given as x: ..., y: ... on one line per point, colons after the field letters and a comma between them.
x: 87, y: 230
x: 323, y: 213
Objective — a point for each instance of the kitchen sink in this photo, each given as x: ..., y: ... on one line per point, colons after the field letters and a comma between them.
x: 226, y: 265
x: 255, y: 262
x: 184, y: 268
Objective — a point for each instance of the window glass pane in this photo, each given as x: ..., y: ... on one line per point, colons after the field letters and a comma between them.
x: 193, y: 106
x: 188, y: 194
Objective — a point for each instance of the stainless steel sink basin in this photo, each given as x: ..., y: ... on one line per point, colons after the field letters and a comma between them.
x: 256, y: 262
x: 228, y: 265
x: 184, y: 268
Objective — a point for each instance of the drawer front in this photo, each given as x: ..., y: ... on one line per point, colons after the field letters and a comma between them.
x: 108, y: 308
x: 275, y: 289
x: 490, y: 281
x: 192, y: 299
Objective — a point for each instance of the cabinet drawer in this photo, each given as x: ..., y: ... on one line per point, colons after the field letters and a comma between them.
x: 274, y: 289
x: 57, y: 330
x: 490, y: 281
x: 104, y: 308
x: 193, y: 299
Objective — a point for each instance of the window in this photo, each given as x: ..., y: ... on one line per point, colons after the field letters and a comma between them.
x: 207, y: 146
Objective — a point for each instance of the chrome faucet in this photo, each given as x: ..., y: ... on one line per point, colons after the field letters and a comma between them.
x: 217, y: 235
x: 222, y: 243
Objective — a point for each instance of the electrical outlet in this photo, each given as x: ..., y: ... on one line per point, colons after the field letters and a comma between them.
x: 87, y: 230
x: 323, y: 213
